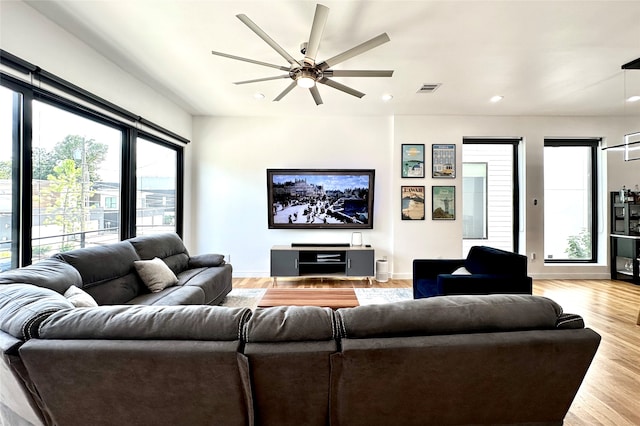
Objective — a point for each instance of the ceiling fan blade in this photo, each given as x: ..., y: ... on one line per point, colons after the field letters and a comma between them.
x: 316, y: 95
x: 354, y: 51
x: 262, y: 79
x: 238, y: 58
x: 358, y: 73
x: 275, y: 46
x: 340, y: 87
x: 319, y: 21
x: 285, y: 91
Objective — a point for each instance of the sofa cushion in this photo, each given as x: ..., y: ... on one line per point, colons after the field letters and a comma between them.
x: 450, y: 315
x: 107, y: 272
x: 147, y: 323
x: 48, y: 273
x: 290, y: 324
x: 168, y: 247
x: 23, y: 307
x: 155, y: 274
x: 176, y: 295
x: 215, y: 281
x: 79, y: 298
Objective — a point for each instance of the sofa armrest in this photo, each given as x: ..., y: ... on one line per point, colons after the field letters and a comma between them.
x: 23, y: 307
x: 484, y: 284
x: 431, y: 268
x: 206, y: 260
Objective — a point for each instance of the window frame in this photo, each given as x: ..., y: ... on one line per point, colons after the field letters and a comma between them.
x: 515, y: 144
x: 77, y: 101
x: 593, y: 144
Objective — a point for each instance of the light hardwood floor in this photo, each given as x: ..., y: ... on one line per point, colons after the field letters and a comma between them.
x: 610, y: 393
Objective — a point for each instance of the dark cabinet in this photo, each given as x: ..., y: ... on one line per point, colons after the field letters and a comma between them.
x: 625, y: 239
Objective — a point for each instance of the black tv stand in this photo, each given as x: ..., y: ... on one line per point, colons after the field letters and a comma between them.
x: 320, y: 245
x: 322, y: 260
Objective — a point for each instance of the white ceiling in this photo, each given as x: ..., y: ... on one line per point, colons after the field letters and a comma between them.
x: 544, y: 57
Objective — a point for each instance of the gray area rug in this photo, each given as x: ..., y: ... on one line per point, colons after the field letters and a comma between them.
x: 249, y: 297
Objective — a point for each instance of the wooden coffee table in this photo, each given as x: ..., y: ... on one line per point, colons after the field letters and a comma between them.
x: 333, y: 298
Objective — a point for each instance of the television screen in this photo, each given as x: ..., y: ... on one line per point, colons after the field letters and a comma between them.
x: 328, y: 198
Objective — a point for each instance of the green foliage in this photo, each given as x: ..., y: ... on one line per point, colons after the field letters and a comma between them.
x: 40, y: 251
x: 76, y: 147
x: 579, y: 245
x: 43, y: 163
x: 5, y: 169
x: 65, y: 187
x: 68, y: 198
x: 72, y: 147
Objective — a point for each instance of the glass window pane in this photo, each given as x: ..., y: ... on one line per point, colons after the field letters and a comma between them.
x: 76, y: 168
x: 474, y: 200
x: 567, y: 203
x: 10, y: 108
x: 156, y: 183
x: 488, y: 195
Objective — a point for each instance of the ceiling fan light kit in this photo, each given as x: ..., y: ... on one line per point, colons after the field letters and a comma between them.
x: 307, y: 73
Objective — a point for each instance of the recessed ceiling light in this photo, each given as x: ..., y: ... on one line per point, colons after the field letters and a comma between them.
x: 496, y: 98
x: 387, y: 97
x: 634, y: 98
x: 258, y: 96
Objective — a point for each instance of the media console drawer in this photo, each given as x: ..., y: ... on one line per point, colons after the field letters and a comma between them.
x: 322, y: 261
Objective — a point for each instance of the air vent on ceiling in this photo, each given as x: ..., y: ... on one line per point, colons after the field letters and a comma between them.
x: 428, y: 88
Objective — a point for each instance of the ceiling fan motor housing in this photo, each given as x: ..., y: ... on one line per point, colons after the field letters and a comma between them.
x: 305, y: 72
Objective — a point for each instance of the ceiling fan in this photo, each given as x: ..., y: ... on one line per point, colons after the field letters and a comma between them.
x: 306, y: 73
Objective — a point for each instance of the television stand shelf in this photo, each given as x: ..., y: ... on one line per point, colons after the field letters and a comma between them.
x: 322, y: 262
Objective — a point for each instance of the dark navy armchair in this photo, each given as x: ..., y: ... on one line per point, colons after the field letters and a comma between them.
x: 486, y: 270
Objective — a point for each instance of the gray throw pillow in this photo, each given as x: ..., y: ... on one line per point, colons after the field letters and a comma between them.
x: 79, y: 298
x: 155, y: 274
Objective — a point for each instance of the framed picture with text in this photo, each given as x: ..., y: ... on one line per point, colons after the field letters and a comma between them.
x: 443, y: 202
x: 412, y: 202
x: 412, y: 160
x: 443, y: 160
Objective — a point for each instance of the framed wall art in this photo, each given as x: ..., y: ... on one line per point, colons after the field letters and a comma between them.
x: 412, y: 202
x: 443, y: 160
x: 412, y: 160
x: 443, y: 202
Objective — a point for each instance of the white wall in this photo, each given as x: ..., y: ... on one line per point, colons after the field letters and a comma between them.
x: 26, y: 33
x: 229, y: 182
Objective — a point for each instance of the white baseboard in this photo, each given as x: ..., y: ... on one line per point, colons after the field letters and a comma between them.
x: 571, y: 276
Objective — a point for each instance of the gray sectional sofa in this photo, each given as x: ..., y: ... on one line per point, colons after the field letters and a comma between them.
x: 108, y: 273
x: 450, y: 360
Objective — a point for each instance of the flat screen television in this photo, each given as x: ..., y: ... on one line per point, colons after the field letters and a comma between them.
x: 320, y: 198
